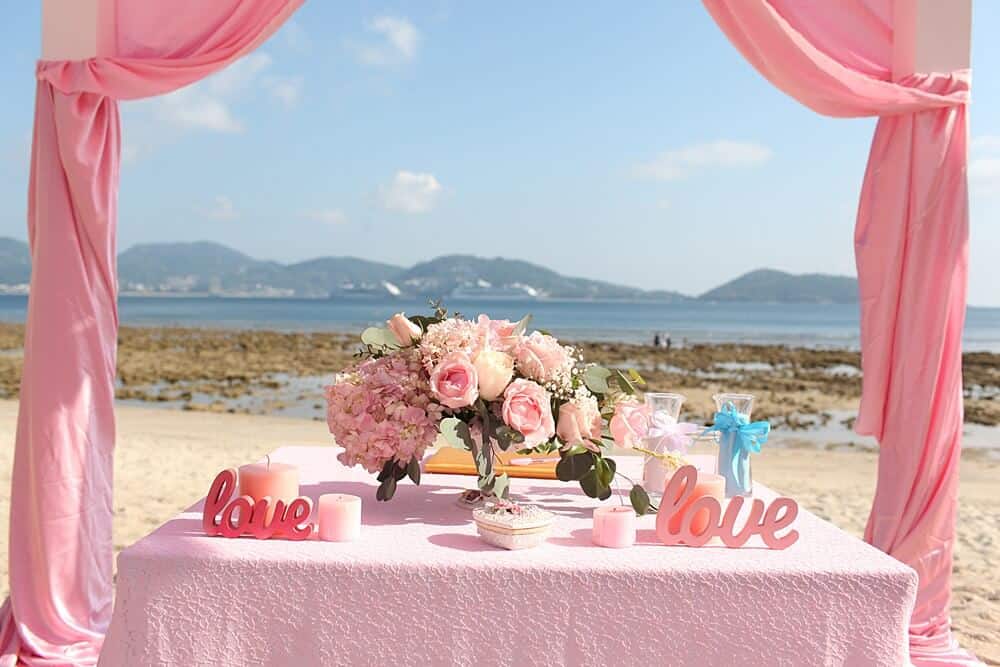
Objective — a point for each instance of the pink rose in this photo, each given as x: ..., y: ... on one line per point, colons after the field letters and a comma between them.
x: 629, y: 424
x: 527, y: 408
x: 495, y: 369
x: 454, y: 382
x: 579, y: 422
x: 498, y: 334
x: 403, y: 329
x: 541, y: 357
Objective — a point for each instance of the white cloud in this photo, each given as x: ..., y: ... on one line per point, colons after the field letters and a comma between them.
x: 238, y: 76
x: 189, y: 108
x: 332, y: 216
x: 984, y: 165
x: 986, y: 143
x: 984, y: 175
x: 296, y: 37
x: 410, y: 192
x: 676, y: 164
x: 222, y: 209
x: 396, y: 42
x: 207, y: 106
x: 288, y: 90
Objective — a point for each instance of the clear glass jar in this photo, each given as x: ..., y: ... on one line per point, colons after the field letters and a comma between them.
x: 664, y: 409
x: 734, y: 466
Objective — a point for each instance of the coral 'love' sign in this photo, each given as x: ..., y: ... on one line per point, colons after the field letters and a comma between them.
x: 244, y: 516
x: 763, y: 521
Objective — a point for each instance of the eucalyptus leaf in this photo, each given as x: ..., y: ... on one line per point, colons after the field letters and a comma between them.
x: 379, y: 337
x: 604, y: 493
x: 503, y: 440
x: 501, y: 485
x: 386, y: 472
x: 640, y: 500
x: 574, y: 467
x: 521, y: 326
x: 590, y: 484
x: 605, y: 471
x: 601, y: 442
x: 486, y: 484
x: 413, y: 470
x: 483, y: 457
x: 423, y: 322
x: 624, y: 382
x: 596, y: 379
x: 506, y: 436
x: 456, y: 432
x: 386, y: 489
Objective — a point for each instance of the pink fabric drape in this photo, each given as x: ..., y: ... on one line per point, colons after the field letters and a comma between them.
x: 911, y: 246
x: 61, y: 493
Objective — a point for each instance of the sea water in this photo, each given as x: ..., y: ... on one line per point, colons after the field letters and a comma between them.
x: 809, y: 325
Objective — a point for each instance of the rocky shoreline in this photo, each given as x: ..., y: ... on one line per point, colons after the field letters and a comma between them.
x: 281, y: 373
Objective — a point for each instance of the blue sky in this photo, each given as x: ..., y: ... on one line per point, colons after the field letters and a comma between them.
x: 634, y: 146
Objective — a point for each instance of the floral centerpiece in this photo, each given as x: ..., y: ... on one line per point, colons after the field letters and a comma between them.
x: 488, y: 386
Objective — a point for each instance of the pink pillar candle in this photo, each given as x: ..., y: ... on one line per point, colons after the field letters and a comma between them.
x: 708, y: 484
x: 614, y: 527
x: 339, y: 517
x: 280, y: 481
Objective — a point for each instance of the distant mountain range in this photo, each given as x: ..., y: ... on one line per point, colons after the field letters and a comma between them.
x: 204, y: 268
x: 780, y: 287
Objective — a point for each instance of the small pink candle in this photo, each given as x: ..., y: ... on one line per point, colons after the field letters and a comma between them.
x: 280, y: 481
x: 339, y: 517
x: 614, y: 526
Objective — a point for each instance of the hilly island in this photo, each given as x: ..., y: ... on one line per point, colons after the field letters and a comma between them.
x: 212, y: 269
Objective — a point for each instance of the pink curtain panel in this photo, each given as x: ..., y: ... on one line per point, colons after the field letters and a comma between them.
x: 61, y: 508
x: 911, y: 244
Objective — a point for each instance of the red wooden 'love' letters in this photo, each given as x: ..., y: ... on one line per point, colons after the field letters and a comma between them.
x: 243, y: 516
x: 763, y: 521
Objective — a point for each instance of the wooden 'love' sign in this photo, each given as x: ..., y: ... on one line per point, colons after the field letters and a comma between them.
x: 244, y: 516
x: 706, y: 512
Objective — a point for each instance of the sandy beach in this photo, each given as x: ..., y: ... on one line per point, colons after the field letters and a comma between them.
x: 194, y: 401
x: 166, y: 459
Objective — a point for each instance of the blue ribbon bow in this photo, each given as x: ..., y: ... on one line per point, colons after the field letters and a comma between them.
x: 746, y: 437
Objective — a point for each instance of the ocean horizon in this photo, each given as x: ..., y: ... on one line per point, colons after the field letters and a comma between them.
x: 793, y: 324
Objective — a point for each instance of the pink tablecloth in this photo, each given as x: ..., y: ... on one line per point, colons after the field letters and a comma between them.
x: 419, y: 588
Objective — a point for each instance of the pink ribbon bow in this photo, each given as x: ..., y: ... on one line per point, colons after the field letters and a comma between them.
x: 667, y: 434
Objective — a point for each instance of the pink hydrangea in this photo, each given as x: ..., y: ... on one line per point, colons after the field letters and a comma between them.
x: 451, y: 335
x: 382, y: 410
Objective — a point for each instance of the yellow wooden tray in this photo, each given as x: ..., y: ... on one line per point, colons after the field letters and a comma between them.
x: 454, y: 461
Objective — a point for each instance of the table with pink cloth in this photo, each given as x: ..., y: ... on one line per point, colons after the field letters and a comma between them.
x: 420, y: 588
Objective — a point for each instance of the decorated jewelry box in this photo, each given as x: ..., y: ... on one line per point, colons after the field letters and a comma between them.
x: 511, y: 526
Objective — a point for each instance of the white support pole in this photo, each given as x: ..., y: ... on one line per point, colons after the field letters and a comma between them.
x: 70, y: 29
x: 931, y: 36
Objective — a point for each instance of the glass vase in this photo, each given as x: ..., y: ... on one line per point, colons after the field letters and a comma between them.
x: 734, y: 466
x: 663, y: 408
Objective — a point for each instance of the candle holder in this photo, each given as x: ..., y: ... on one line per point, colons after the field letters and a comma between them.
x: 664, y: 411
x: 733, y: 462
